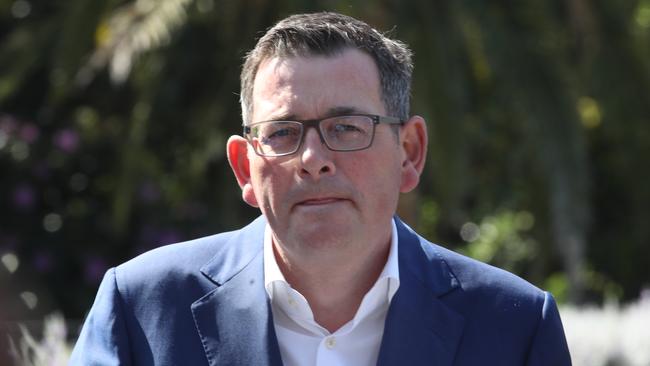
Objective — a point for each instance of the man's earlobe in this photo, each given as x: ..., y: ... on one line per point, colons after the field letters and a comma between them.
x: 237, y: 151
x: 414, y: 144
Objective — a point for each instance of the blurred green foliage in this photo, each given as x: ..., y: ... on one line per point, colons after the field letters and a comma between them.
x: 114, y: 117
x: 501, y: 240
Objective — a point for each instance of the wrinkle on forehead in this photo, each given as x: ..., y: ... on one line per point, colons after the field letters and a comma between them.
x: 309, y: 87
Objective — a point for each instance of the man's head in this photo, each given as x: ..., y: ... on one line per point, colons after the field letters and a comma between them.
x: 319, y: 174
x: 328, y: 34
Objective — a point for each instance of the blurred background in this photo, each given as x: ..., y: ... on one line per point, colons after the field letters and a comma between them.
x: 114, y: 116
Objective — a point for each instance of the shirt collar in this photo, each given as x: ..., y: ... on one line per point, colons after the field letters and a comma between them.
x: 272, y: 271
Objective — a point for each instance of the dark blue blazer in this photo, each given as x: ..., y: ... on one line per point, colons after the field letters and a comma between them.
x: 203, y: 302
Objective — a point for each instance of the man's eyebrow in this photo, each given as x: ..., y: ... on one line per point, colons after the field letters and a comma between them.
x: 283, y: 117
x: 338, y: 111
x: 332, y: 112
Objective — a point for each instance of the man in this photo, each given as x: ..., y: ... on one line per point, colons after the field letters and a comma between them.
x: 327, y: 275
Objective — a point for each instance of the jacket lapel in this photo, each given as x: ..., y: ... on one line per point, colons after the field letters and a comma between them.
x: 420, y: 329
x: 234, y: 328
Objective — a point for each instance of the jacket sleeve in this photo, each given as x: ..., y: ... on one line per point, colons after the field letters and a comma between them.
x: 104, y: 338
x: 549, y: 347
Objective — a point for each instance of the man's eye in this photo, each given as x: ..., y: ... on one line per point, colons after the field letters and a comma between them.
x: 280, y: 133
x: 340, y: 127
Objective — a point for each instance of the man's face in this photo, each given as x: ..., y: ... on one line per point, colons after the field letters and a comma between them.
x: 317, y: 198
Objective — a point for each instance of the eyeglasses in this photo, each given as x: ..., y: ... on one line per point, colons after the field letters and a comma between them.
x: 340, y: 133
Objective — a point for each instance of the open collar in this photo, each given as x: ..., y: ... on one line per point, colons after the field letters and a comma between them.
x: 235, y: 320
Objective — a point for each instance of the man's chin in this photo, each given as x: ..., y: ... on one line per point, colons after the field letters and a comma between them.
x: 325, y: 231
x: 324, y: 218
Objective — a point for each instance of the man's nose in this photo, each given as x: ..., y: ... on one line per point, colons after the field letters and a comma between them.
x: 315, y: 157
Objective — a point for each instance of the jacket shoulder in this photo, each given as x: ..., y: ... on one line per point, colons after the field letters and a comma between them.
x: 184, y: 256
x: 179, y: 267
x: 474, y: 275
x: 191, y: 255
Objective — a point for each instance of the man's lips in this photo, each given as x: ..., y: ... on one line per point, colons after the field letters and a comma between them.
x: 320, y: 201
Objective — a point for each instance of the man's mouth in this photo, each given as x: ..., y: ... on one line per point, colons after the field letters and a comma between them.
x: 320, y: 201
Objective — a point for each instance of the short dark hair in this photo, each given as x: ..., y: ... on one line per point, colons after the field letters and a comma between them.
x: 328, y: 34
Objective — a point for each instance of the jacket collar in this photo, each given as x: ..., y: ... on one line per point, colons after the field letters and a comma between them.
x: 236, y: 328
x: 234, y: 321
x: 420, y: 328
x: 239, y: 251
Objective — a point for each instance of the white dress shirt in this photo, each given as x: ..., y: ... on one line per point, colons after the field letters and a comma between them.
x: 304, y: 342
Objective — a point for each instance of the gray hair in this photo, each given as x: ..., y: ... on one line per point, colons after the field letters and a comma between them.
x: 329, y: 34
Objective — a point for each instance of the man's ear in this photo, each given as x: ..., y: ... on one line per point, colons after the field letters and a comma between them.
x: 413, y: 140
x: 237, y: 150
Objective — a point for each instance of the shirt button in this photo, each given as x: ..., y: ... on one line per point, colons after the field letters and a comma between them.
x: 292, y: 302
x: 330, y: 342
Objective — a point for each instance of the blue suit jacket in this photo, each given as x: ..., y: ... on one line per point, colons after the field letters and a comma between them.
x: 203, y: 302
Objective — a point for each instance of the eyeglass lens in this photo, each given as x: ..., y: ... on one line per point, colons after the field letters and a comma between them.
x: 341, y: 133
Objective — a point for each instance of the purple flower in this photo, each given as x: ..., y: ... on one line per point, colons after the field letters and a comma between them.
x: 29, y: 133
x: 67, y: 140
x: 169, y: 236
x: 24, y: 197
x: 43, y: 262
x: 94, y: 269
x: 151, y: 237
x: 7, y: 124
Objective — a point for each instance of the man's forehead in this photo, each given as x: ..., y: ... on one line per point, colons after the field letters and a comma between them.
x: 290, y: 61
x: 346, y: 81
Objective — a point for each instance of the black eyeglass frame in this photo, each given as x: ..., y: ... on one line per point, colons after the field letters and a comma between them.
x: 315, y: 123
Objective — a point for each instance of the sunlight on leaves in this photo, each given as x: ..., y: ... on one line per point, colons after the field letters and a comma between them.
x: 589, y: 112
x: 642, y: 16
x: 130, y: 31
x: 51, y: 350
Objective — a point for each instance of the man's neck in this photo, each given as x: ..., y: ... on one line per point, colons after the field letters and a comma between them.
x: 334, y: 286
